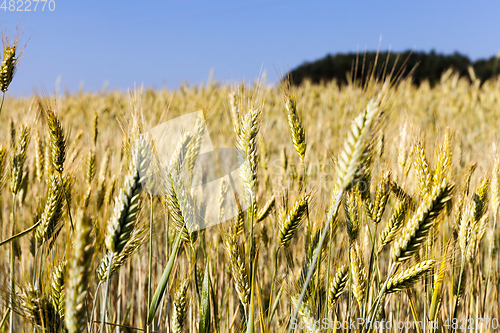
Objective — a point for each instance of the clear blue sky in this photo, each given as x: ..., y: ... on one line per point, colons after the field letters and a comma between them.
x: 159, y: 43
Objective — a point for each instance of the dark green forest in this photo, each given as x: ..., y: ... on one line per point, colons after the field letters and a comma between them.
x: 423, y: 66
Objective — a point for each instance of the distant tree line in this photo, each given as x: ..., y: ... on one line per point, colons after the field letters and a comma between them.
x: 345, y: 67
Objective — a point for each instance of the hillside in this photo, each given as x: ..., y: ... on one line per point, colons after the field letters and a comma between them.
x: 425, y: 66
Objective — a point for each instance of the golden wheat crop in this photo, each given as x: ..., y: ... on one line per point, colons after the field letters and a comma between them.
x: 84, y: 239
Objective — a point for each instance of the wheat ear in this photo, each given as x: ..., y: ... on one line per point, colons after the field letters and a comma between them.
x: 125, y: 214
x: 182, y: 217
x: 180, y: 302
x: 307, y: 313
x: 3, y: 153
x: 356, y: 149
x: 91, y: 167
x: 444, y: 160
x: 359, y: 279
x: 127, y: 203
x: 408, y: 277
x: 38, y: 308
x: 393, y: 225
x: 248, y: 154
x: 424, y: 174
x: 289, y: 226
x: 39, y: 156
x: 17, y: 168
x: 58, y: 292
x: 235, y: 112
x: 417, y: 229
x: 297, y: 131
x: 404, y: 154
x: 349, y: 168
x: 52, y: 212
x: 266, y: 209
x: 381, y: 197
x: 18, y: 159
x: 238, y: 269
x: 8, y: 65
x: 337, y: 286
x: 351, y: 208
x: 58, y: 144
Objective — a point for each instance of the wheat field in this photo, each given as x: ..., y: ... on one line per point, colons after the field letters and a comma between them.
x: 367, y: 207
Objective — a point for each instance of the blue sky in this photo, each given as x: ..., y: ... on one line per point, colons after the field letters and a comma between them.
x: 158, y: 43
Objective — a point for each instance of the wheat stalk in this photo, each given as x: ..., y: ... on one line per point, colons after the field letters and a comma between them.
x: 78, y: 276
x: 349, y: 168
x: 495, y: 186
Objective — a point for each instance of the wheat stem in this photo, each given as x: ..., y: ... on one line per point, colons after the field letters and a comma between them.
x: 12, y: 277
x: 4, y: 319
x: 150, y: 263
x: 330, y: 245
x: 20, y: 234
x: 488, y: 274
x: 304, y: 180
x: 106, y: 291
x: 373, y: 240
x: 333, y: 212
x: 250, y: 259
x: 94, y: 305
x: 459, y: 286
x: 1, y: 103
x: 160, y: 290
x: 381, y: 295
x: 250, y: 324
x: 273, y: 281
